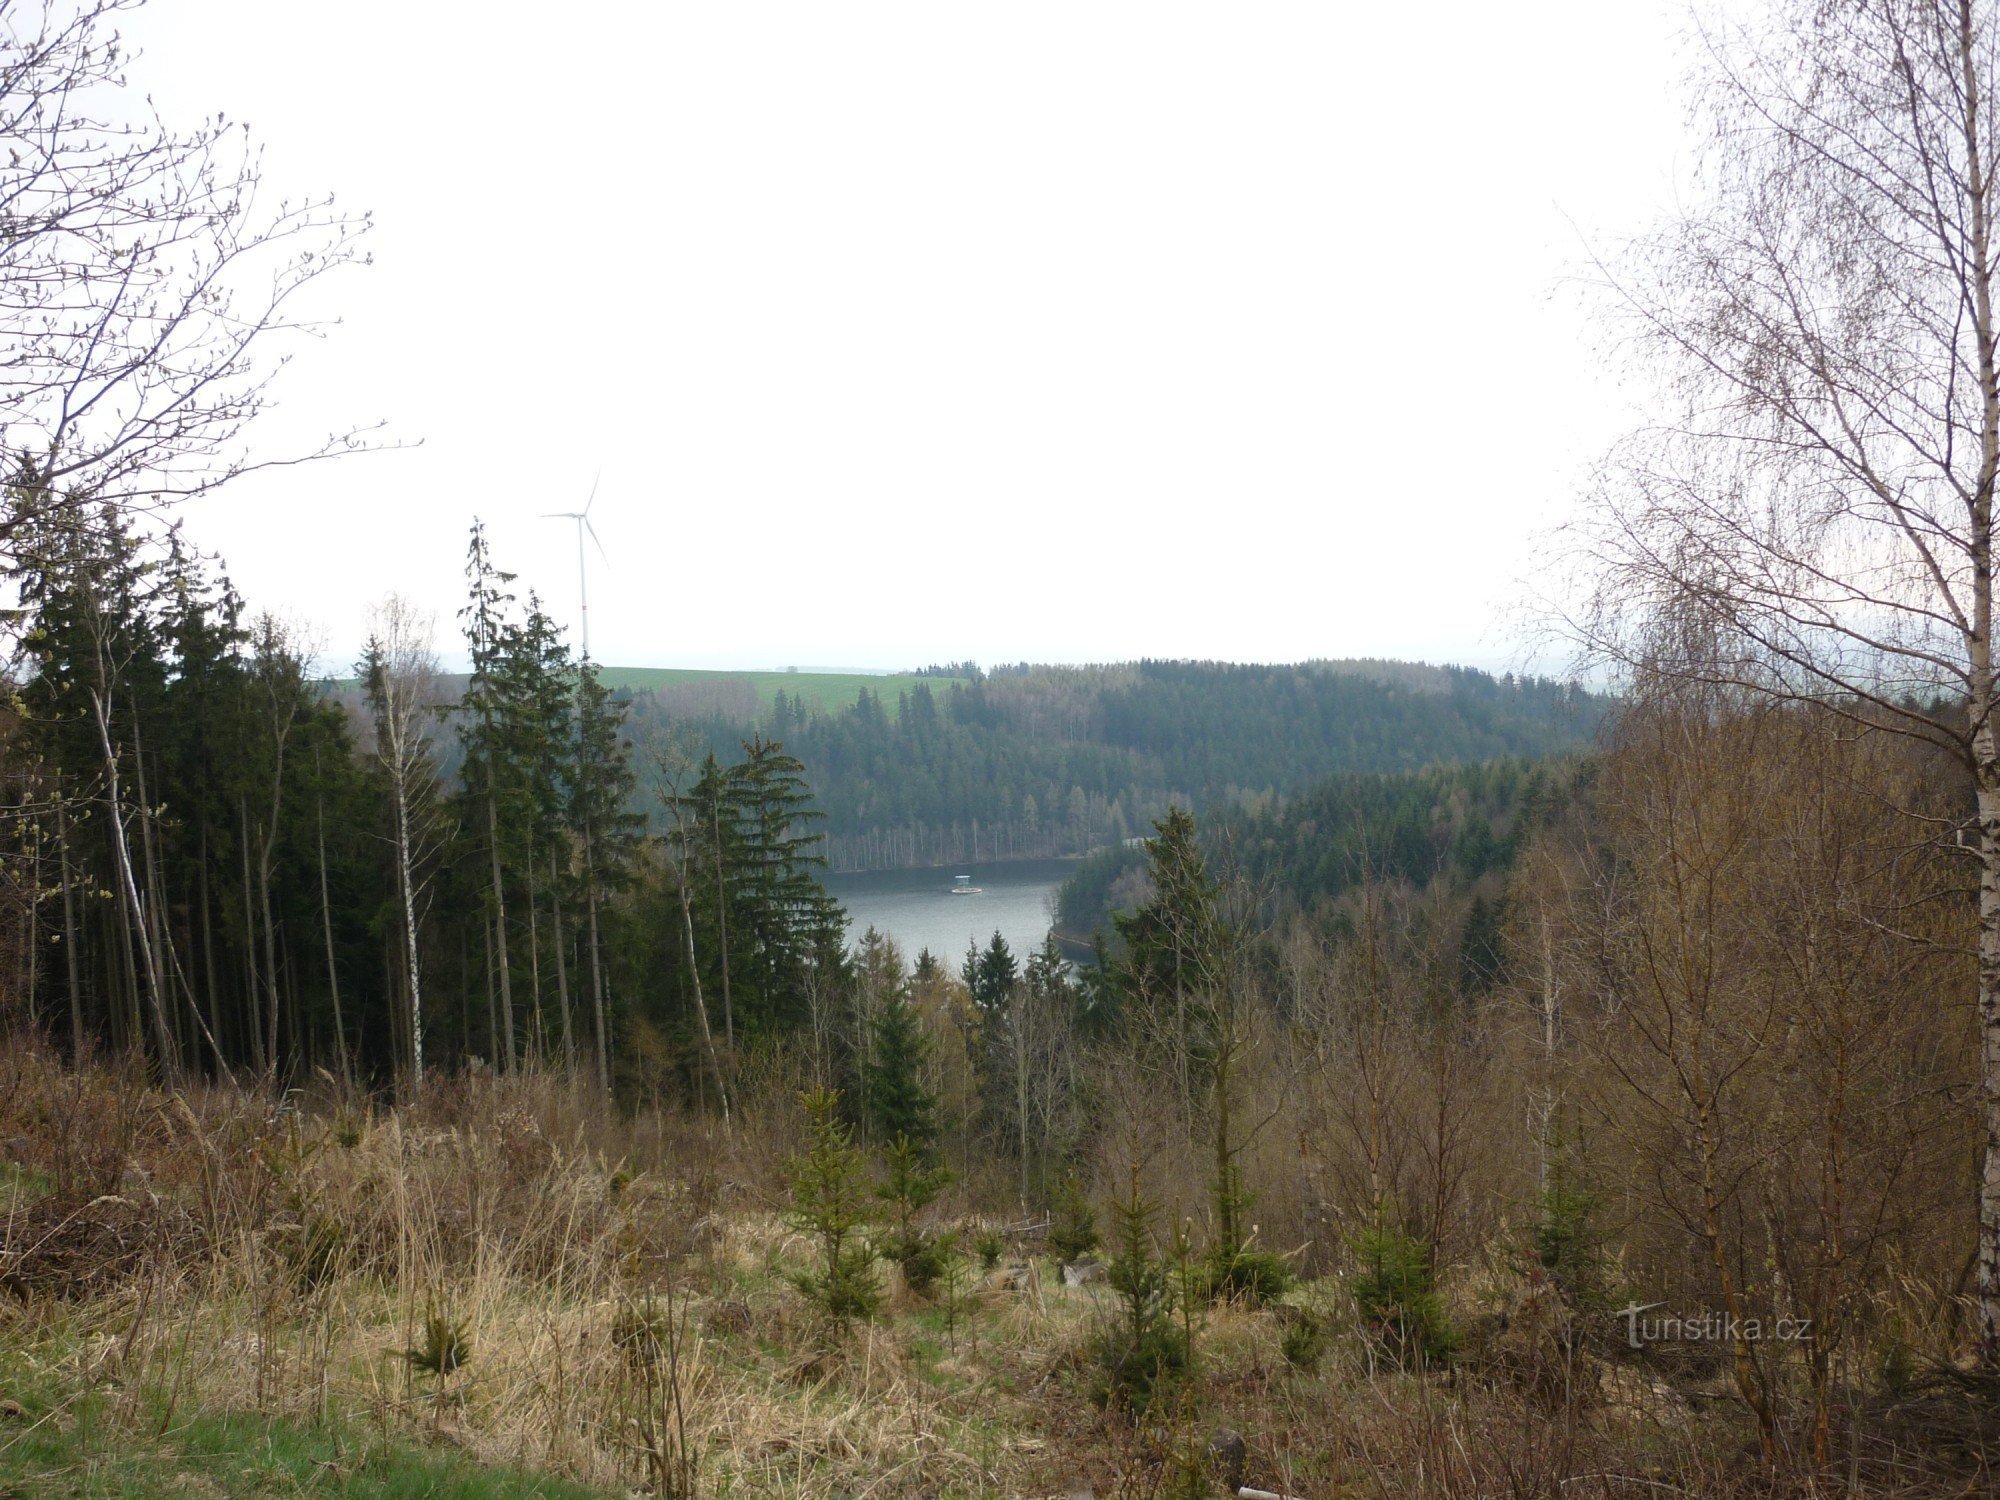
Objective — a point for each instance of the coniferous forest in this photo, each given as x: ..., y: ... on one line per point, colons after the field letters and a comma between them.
x: 247, y: 871
x: 1030, y: 762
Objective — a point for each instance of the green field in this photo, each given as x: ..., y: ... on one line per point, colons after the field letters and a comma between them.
x: 824, y: 690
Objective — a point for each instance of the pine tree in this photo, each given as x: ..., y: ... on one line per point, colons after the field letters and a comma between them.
x: 1172, y: 942
x: 102, y: 668
x: 707, y: 843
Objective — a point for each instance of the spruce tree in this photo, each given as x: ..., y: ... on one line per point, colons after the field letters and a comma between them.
x: 990, y: 974
x: 487, y: 772
x: 540, y: 734
x: 607, y: 831
x: 782, y: 902
x: 911, y: 1185
x: 894, y: 1097
x: 830, y: 1202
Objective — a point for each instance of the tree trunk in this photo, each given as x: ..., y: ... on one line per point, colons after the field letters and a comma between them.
x: 206, y: 915
x: 162, y: 935
x: 169, y: 1056
x: 406, y: 883
x: 596, y: 966
x: 332, y: 968
x: 31, y: 952
x: 271, y: 1050
x: 536, y: 1030
x: 500, y: 927
x: 253, y: 1011
x: 69, y: 929
x: 1987, y: 1283
x: 492, y: 1013
x: 722, y: 928
x: 701, y: 1005
x: 562, y: 970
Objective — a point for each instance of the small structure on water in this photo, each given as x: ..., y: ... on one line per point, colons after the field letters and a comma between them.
x: 962, y: 885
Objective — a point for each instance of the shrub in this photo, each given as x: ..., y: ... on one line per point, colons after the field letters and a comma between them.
x: 1569, y: 1247
x: 1396, y: 1292
x: 319, y: 1251
x: 1140, y: 1355
x: 912, y: 1187
x: 1304, y: 1341
x: 643, y: 1331
x: 1254, y: 1276
x: 990, y: 1245
x: 1233, y: 1268
x: 1072, y: 1224
x: 441, y: 1348
x: 830, y: 1201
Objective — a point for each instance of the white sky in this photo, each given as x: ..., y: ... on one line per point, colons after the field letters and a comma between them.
x: 913, y: 332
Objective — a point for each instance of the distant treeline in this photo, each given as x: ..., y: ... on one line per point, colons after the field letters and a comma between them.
x: 1033, y: 762
x: 1455, y: 827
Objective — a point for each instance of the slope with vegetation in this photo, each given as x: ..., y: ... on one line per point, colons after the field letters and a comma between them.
x: 1031, y: 762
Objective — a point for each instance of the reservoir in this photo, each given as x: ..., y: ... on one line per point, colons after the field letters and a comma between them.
x: 915, y: 908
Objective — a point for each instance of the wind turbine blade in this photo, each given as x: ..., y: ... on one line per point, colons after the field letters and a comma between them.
x: 600, y: 542
x: 593, y: 492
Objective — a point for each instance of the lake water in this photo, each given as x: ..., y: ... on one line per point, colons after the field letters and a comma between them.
x: 912, y: 906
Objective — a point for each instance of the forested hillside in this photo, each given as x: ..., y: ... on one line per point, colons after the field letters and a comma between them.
x: 1445, y: 829
x: 1026, y: 762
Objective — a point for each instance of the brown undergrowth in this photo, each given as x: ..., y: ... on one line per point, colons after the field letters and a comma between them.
x: 613, y: 1305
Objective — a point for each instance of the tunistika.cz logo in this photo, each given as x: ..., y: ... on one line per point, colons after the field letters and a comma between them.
x: 1705, y: 1327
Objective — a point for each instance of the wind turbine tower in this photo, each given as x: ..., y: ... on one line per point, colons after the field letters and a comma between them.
x: 582, y: 519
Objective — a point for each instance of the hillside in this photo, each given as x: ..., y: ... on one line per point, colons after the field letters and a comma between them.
x: 1041, y: 761
x: 1447, y: 826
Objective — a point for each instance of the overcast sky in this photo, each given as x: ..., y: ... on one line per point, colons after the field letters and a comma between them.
x: 915, y: 332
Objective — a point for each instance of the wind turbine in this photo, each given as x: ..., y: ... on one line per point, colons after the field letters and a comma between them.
x: 582, y: 519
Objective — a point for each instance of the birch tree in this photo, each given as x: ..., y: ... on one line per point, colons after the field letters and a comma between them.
x: 1817, y: 494
x: 147, y: 286
x: 401, y: 672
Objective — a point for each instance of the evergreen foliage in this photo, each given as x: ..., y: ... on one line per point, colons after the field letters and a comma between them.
x: 895, y: 1100
x: 1064, y: 760
x: 1141, y: 1354
x: 1073, y: 1230
x: 1395, y: 1288
x: 910, y: 1187
x: 1568, y: 1245
x: 830, y: 1202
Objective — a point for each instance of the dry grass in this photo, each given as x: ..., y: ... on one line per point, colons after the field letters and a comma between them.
x: 620, y: 1288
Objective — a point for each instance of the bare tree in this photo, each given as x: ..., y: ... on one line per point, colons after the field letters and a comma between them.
x: 1819, y: 497
x: 671, y: 763
x: 401, y: 675
x: 145, y: 282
